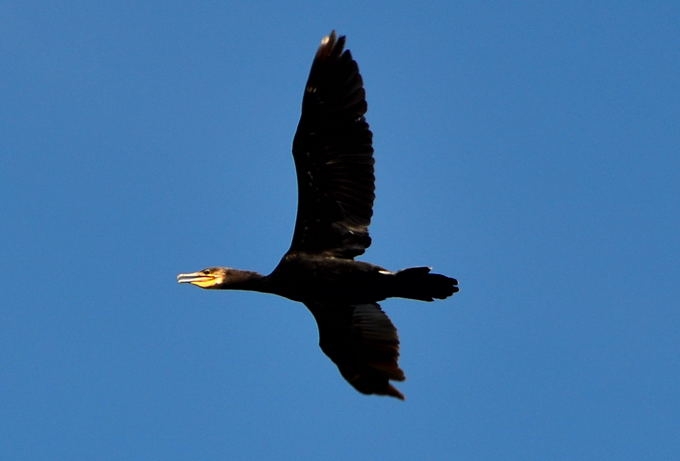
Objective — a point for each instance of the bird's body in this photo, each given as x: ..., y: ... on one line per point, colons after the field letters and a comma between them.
x: 333, y: 156
x: 307, y: 277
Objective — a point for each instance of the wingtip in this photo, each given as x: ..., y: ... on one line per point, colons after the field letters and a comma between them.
x: 331, y: 44
x: 394, y: 392
x: 328, y: 38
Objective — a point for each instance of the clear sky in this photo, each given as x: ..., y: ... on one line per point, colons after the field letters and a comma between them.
x: 528, y: 149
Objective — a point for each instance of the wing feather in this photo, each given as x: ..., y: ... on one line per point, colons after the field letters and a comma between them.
x: 362, y: 341
x: 333, y: 156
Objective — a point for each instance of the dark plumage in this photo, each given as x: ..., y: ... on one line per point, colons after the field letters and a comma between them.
x: 333, y: 156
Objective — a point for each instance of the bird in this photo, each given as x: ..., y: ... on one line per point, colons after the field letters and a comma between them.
x: 334, y: 163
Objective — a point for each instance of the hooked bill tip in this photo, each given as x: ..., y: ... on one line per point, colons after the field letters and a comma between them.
x: 183, y: 278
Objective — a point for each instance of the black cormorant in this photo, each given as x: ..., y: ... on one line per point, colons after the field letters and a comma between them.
x: 333, y: 157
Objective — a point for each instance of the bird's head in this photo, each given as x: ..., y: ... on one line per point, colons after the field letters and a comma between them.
x: 211, y: 277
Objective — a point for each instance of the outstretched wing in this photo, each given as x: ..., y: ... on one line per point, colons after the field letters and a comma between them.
x: 333, y: 158
x: 363, y: 343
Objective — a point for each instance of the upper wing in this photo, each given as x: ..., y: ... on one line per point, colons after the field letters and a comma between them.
x: 333, y: 158
x: 363, y: 343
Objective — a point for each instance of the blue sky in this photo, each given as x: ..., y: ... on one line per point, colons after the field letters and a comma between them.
x: 529, y: 149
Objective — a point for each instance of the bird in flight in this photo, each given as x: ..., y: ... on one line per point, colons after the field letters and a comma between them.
x: 333, y: 155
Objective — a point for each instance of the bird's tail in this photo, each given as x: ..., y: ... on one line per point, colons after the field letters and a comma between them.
x: 419, y: 283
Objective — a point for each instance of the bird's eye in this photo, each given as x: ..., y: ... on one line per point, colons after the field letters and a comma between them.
x: 206, y: 271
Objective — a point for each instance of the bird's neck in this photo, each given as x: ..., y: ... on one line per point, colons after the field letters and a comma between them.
x: 246, y: 280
